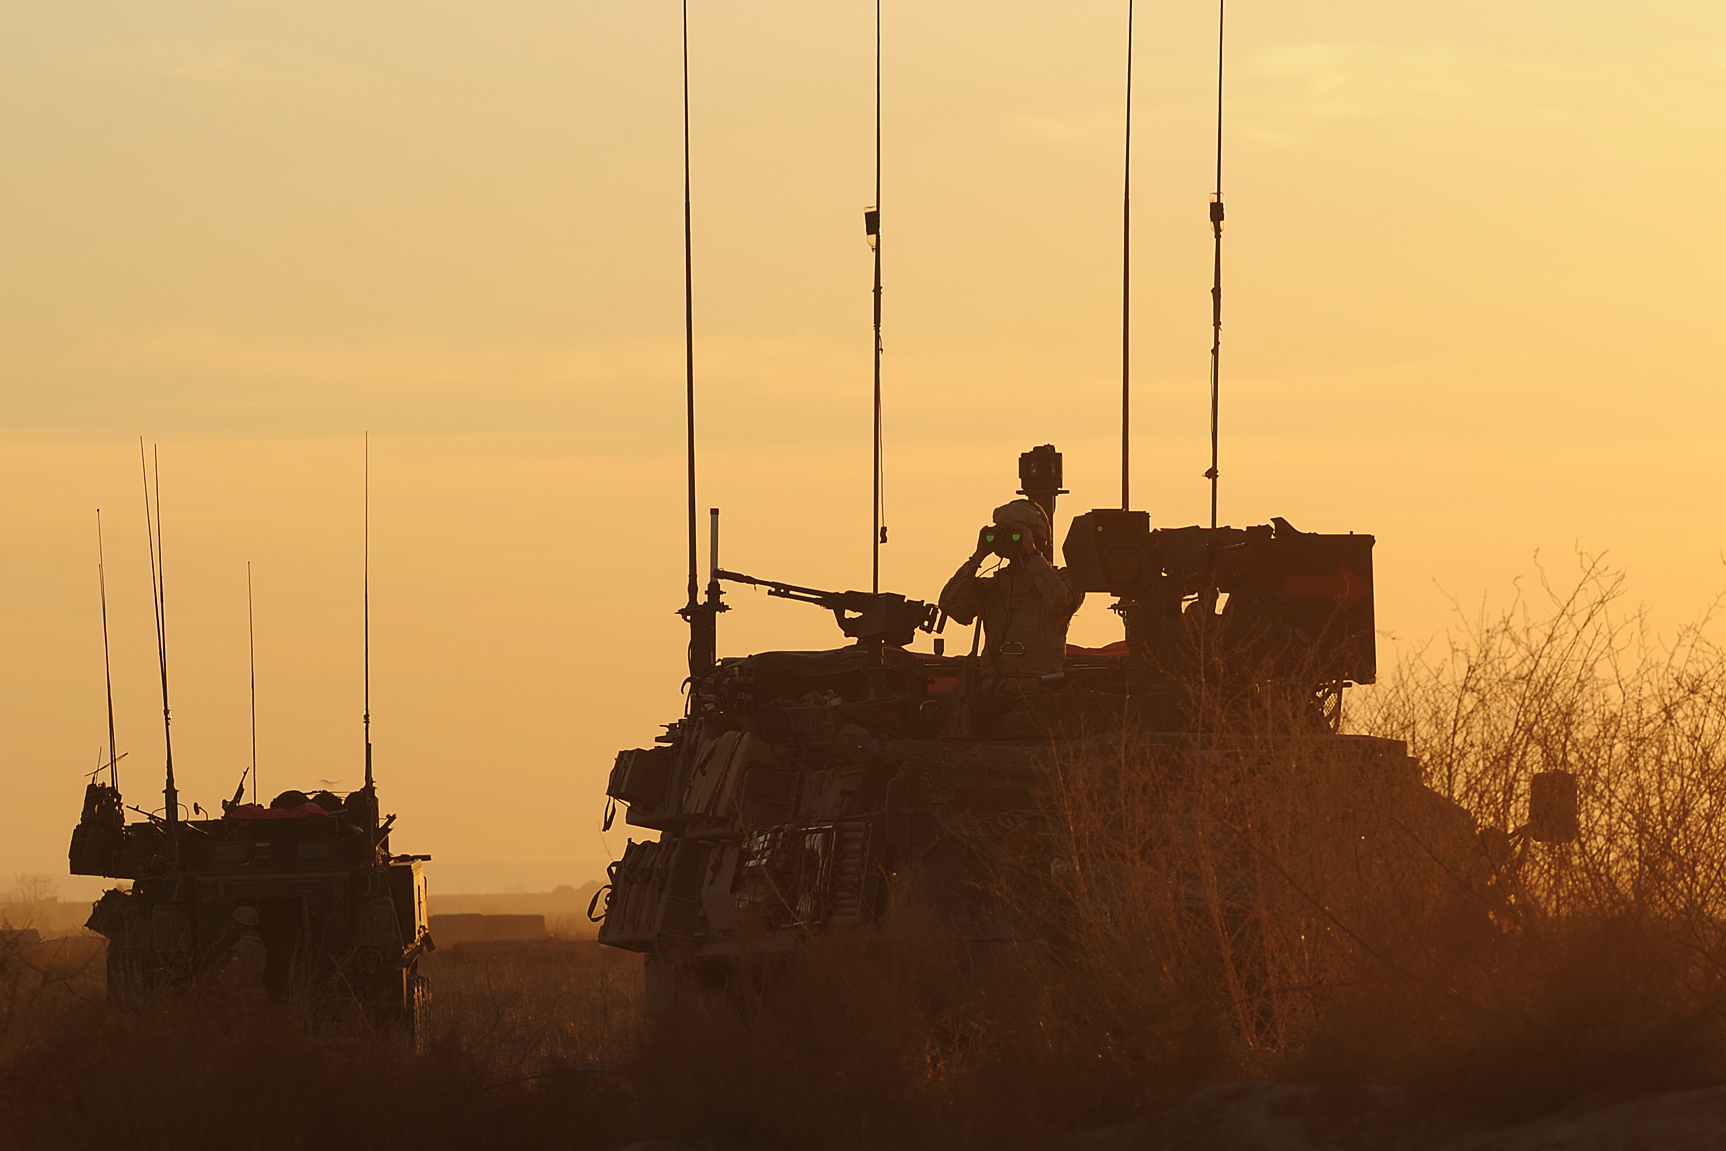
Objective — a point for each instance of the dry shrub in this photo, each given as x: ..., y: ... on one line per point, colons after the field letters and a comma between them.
x: 1603, y: 966
x: 1209, y: 902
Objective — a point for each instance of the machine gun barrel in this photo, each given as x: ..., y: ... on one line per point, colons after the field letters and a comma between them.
x: 826, y: 599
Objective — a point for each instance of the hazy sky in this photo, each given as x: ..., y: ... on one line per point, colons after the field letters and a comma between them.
x: 1474, y: 292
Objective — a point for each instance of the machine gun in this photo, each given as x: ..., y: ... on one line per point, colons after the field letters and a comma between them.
x: 867, y: 617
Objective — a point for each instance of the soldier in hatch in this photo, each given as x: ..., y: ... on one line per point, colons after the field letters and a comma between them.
x: 1026, y: 605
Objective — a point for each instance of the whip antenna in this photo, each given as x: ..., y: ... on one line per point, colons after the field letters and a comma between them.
x: 158, y: 593
x: 366, y: 606
x: 1217, y: 273
x: 689, y: 322
x: 1127, y: 268
x: 701, y: 617
x: 872, y: 228
x: 252, y: 644
x: 107, y: 664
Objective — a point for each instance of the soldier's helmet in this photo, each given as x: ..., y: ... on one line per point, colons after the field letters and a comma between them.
x: 1026, y: 514
x: 246, y: 916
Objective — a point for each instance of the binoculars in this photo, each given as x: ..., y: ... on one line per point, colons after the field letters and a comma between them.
x: 1004, y: 541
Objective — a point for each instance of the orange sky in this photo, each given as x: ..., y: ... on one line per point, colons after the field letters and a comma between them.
x: 1474, y: 272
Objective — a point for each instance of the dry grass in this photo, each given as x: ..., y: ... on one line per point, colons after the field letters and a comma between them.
x: 1261, y: 907
x: 526, y: 1043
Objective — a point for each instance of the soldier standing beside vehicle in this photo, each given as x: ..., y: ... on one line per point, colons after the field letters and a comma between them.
x: 1025, y: 606
x: 247, y: 957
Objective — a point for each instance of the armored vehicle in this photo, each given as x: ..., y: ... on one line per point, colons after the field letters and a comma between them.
x: 301, y: 899
x: 342, y: 920
x: 804, y: 790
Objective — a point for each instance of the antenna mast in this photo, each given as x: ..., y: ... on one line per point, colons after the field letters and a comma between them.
x: 1127, y: 268
x: 158, y: 592
x: 872, y: 226
x: 252, y: 644
x: 689, y: 322
x: 1217, y: 273
x: 107, y: 664
x: 701, y: 617
x: 365, y: 612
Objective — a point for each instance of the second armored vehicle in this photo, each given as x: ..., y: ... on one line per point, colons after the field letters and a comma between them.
x: 341, y: 919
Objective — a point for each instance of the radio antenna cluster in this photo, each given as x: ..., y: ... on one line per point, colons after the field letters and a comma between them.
x: 158, y: 594
x: 1217, y: 273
